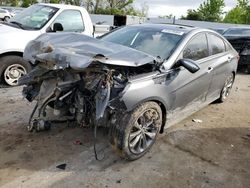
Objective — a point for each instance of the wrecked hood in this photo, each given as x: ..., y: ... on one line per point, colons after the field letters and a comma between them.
x: 78, y: 51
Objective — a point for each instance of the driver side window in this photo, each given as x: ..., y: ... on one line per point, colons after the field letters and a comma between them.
x: 71, y: 21
x: 197, y: 48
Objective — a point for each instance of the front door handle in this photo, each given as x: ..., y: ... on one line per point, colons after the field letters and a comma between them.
x: 209, y: 69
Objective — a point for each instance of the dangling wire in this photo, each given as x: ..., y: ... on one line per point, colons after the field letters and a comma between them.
x: 95, y: 138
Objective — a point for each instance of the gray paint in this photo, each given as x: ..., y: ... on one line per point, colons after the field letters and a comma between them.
x: 78, y: 51
x: 176, y: 88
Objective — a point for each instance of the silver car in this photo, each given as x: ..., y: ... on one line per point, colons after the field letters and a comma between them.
x: 136, y: 80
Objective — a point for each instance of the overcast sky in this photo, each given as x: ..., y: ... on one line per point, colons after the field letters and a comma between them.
x: 175, y: 7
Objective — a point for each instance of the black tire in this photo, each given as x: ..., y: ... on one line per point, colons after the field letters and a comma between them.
x: 6, y: 18
x: 123, y: 137
x: 12, y: 62
x: 248, y: 69
x: 226, y: 88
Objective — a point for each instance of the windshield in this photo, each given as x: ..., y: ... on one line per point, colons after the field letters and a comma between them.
x: 156, y: 42
x: 238, y: 31
x: 34, y: 17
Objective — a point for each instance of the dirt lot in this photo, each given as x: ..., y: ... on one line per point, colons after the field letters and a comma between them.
x: 214, y: 153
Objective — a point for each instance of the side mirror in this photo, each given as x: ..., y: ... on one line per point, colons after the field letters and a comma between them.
x: 57, y: 27
x: 189, y: 64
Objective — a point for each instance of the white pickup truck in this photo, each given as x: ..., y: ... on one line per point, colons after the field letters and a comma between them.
x: 29, y: 24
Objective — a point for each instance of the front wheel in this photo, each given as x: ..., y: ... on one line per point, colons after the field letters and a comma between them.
x: 12, y: 68
x: 227, y: 88
x: 137, y: 131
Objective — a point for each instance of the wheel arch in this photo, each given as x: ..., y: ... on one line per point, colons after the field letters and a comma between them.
x: 162, y: 105
x: 234, y: 73
x: 17, y: 53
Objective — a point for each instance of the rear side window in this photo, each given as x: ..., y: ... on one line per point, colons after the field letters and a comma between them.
x: 216, y: 44
x: 197, y: 48
x: 228, y: 47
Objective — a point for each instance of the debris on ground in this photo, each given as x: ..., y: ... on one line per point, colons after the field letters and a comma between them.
x: 62, y: 166
x: 197, y: 120
x: 247, y: 137
x: 119, y: 181
x: 77, y: 142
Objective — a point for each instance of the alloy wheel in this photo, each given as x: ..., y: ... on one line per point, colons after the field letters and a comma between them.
x: 227, y: 87
x: 144, y: 131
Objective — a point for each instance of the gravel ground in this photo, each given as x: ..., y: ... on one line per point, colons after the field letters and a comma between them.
x: 213, y: 153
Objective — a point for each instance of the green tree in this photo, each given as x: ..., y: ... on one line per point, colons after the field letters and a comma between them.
x: 170, y: 16
x: 54, y: 1
x: 14, y: 3
x: 26, y: 3
x: 233, y: 16
x: 192, y: 15
x: 239, y: 14
x: 209, y: 10
x: 117, y: 7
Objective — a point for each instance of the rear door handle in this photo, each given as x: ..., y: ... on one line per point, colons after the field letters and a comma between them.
x: 229, y: 59
x: 209, y: 69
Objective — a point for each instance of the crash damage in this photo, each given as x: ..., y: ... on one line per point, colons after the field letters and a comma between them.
x: 81, y: 78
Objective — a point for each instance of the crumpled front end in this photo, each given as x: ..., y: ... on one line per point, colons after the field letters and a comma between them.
x: 79, y: 78
x: 78, y: 51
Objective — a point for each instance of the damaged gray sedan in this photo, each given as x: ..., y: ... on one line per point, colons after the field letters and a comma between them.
x: 136, y: 80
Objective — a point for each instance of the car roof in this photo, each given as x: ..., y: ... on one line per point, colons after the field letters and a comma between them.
x: 238, y: 28
x: 60, y: 6
x: 175, y: 27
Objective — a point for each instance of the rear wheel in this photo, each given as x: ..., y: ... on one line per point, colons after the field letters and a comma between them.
x: 227, y: 88
x: 12, y: 68
x: 137, y: 131
x: 6, y: 18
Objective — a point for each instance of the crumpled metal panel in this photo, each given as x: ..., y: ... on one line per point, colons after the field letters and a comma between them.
x: 78, y: 51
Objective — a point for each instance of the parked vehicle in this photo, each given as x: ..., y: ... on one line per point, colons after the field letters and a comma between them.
x: 29, y: 24
x: 240, y: 39
x: 136, y: 80
x: 220, y: 30
x: 5, y: 15
x: 16, y: 11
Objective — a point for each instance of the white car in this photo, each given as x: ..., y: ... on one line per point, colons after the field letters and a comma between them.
x: 28, y: 25
x: 5, y: 14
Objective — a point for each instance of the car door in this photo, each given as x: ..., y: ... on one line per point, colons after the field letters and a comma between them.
x: 71, y: 21
x: 220, y: 57
x: 191, y: 88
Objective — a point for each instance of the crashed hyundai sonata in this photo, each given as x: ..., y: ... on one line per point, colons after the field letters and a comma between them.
x: 136, y: 80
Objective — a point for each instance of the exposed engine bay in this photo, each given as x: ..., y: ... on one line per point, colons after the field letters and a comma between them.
x: 78, y: 82
x: 80, y: 96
